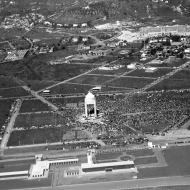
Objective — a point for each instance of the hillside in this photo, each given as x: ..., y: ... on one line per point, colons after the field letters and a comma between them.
x: 82, y: 10
x: 163, y: 11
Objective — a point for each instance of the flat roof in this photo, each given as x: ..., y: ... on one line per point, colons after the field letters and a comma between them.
x: 108, y: 164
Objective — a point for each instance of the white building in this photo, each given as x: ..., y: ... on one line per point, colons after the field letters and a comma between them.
x: 42, y: 167
x: 151, y: 69
x: 93, y: 168
x: 90, y: 99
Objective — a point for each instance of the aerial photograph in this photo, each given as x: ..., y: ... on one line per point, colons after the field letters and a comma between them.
x: 94, y: 94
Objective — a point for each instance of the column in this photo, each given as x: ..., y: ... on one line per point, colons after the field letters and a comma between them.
x: 86, y: 110
x: 95, y: 111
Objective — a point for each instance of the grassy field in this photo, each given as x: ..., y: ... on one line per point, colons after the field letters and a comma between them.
x: 108, y: 88
x: 147, y: 160
x: 142, y: 73
x: 40, y: 119
x: 36, y: 136
x: 173, y: 63
x: 125, y: 158
x: 170, y: 84
x: 7, y: 82
x: 177, y: 159
x: 107, y: 156
x: 182, y: 75
x: 140, y: 153
x: 130, y: 82
x: 156, y: 127
x: 37, y: 68
x: 14, y: 168
x: 5, y: 106
x: 38, y: 85
x: 182, y: 187
x: 91, y: 79
x: 33, y: 106
x: 64, y: 101
x: 13, y: 92
x: 111, y: 72
x: 67, y: 88
x: 23, y: 150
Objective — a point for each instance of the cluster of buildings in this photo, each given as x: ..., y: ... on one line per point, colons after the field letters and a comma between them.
x: 113, y: 67
x: 165, y: 30
x: 94, y: 53
x: 72, y: 167
x: 25, y: 22
x: 14, y: 55
x: 65, y: 25
x: 165, y: 47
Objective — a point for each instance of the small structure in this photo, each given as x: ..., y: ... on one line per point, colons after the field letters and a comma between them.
x: 157, y: 145
x: 90, y: 100
x: 42, y: 166
x: 151, y: 69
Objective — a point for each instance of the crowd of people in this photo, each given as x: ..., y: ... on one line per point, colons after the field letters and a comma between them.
x: 145, y: 113
x: 124, y: 115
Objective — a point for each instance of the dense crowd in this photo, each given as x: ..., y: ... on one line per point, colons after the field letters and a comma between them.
x: 146, y: 112
x: 150, y: 112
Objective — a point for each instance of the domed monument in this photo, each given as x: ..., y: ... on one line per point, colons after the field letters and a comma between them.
x: 90, y: 99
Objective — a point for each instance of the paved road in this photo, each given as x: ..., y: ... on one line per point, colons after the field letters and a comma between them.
x: 116, y: 185
x: 49, y: 87
x: 11, y: 124
x: 55, y: 108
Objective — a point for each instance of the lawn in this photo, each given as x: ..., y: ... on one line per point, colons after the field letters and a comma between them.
x: 182, y: 187
x: 155, y: 127
x: 130, y: 82
x: 64, y: 101
x: 125, y: 158
x: 116, y: 89
x: 171, y: 84
x: 13, y: 92
x: 38, y: 85
x: 173, y: 63
x: 91, y: 79
x: 33, y: 106
x: 177, y: 159
x: 140, y: 153
x: 108, y: 156
x: 147, y: 160
x: 14, y: 168
x: 26, y: 121
x: 183, y: 75
x: 25, y: 184
x: 142, y: 73
x: 68, y: 88
x: 5, y: 106
x: 36, y: 68
x: 111, y: 72
x: 7, y: 82
x: 12, y: 151
x: 36, y: 136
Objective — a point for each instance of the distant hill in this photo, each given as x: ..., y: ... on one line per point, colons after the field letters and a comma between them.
x: 165, y: 10
x: 84, y: 10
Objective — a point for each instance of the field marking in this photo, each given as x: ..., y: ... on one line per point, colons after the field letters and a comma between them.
x: 138, y: 113
x: 139, y: 77
x: 10, y: 87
